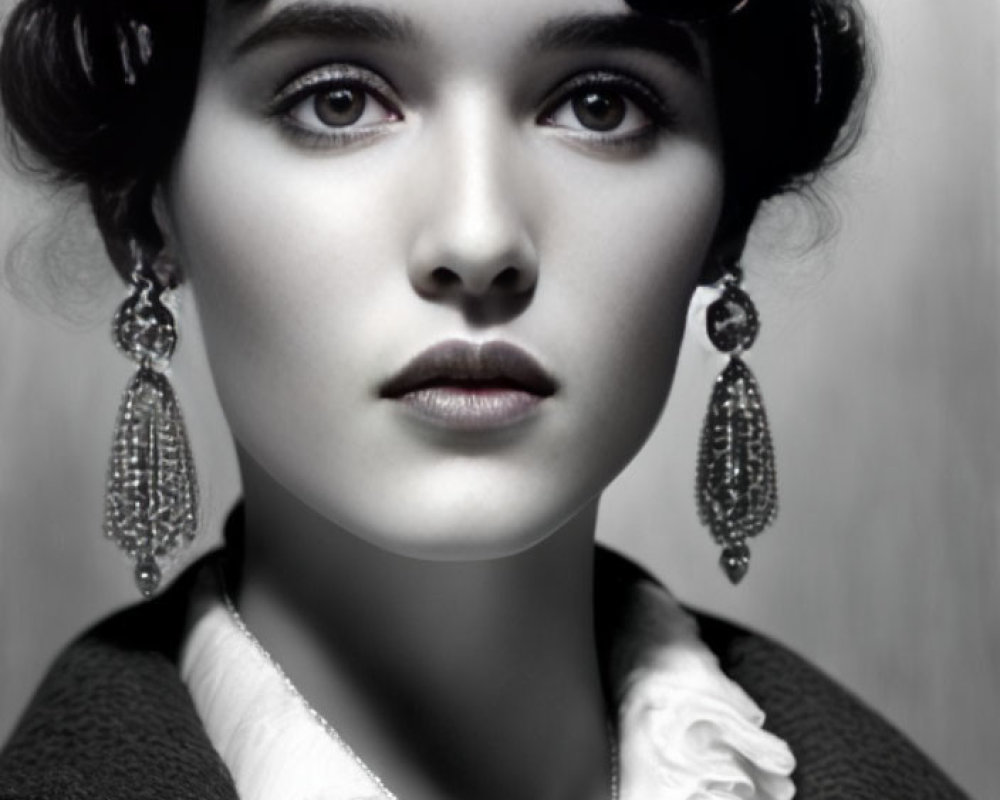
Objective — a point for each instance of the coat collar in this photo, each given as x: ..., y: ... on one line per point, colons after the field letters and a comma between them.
x: 112, y: 719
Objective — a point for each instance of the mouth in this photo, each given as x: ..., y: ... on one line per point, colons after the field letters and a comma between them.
x: 465, y: 386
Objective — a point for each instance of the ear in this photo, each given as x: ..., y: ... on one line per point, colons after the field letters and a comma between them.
x: 167, y: 259
x: 162, y: 217
x: 726, y: 250
x: 738, y: 212
x: 134, y: 225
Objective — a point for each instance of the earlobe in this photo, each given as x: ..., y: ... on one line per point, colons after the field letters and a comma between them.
x: 166, y: 264
x: 730, y: 240
x: 728, y: 244
x: 726, y: 250
x: 162, y: 217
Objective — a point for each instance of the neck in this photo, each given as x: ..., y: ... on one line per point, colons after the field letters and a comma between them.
x: 450, y: 679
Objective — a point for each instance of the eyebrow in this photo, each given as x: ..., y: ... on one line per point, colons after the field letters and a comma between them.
x: 311, y: 19
x: 321, y: 20
x: 621, y: 31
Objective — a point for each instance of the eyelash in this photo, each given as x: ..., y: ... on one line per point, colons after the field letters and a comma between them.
x: 661, y: 116
x: 341, y: 76
x: 348, y: 76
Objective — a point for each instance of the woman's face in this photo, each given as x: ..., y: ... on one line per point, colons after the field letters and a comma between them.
x: 364, y: 185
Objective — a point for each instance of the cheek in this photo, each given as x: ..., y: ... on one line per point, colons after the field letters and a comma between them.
x: 282, y: 265
x: 629, y: 281
x: 260, y: 235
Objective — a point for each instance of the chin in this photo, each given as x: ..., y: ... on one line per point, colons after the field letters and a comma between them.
x: 478, y: 536
x: 463, y: 527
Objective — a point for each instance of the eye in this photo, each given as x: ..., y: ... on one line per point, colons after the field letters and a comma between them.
x: 336, y: 104
x: 607, y: 107
x: 600, y: 110
x: 339, y: 106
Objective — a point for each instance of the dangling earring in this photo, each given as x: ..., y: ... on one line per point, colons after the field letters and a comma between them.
x: 736, y: 486
x: 151, y: 500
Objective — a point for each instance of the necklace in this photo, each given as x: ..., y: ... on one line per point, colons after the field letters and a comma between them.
x: 335, y: 735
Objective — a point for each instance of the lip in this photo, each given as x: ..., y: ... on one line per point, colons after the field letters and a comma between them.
x: 466, y: 386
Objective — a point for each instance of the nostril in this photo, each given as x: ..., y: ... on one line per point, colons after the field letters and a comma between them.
x: 508, y: 278
x: 444, y: 277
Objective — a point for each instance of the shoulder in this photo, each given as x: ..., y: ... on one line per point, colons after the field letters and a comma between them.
x: 843, y: 748
x: 112, y: 719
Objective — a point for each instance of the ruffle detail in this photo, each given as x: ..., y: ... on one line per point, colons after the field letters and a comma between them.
x: 687, y: 732
x: 682, y: 743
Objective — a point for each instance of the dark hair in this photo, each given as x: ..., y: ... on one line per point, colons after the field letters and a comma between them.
x: 791, y: 80
x: 101, y: 91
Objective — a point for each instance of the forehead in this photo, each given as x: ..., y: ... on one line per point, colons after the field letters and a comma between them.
x: 466, y: 29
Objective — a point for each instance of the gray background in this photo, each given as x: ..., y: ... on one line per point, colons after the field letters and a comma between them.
x: 878, y: 361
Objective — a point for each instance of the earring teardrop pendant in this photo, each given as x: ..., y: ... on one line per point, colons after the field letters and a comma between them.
x: 151, y: 501
x: 736, y: 485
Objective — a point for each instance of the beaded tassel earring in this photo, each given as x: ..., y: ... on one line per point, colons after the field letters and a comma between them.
x: 151, y: 499
x: 736, y: 486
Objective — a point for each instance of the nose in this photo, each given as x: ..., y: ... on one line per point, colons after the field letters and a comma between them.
x: 473, y: 242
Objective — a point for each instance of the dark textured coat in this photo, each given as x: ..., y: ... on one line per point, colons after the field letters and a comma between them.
x: 113, y: 720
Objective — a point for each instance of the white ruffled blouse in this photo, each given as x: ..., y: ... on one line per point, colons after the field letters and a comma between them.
x: 686, y: 731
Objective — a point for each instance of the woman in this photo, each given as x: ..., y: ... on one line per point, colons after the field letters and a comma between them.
x: 441, y: 253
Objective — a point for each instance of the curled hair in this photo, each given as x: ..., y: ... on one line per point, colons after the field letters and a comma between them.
x: 101, y: 92
x: 791, y: 80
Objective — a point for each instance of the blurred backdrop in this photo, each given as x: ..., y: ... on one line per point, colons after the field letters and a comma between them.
x: 879, y: 362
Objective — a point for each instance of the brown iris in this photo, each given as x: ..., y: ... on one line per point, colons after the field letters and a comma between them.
x: 340, y: 107
x: 599, y: 111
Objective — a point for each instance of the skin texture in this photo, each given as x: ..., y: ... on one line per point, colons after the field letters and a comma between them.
x: 471, y: 203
